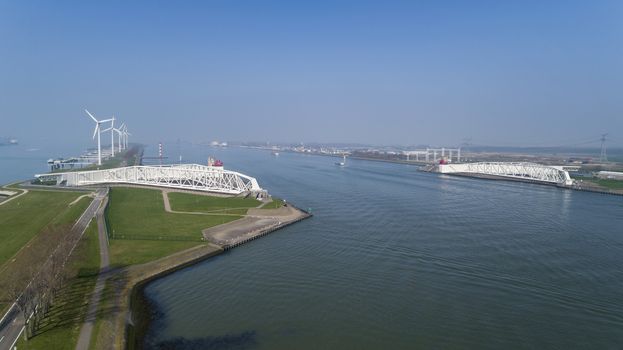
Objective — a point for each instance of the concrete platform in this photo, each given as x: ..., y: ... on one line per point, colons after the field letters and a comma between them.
x: 257, y: 223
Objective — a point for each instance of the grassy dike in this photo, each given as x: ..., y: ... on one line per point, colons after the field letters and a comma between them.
x: 60, y: 327
x: 205, y: 204
x: 30, y: 226
x: 147, y: 242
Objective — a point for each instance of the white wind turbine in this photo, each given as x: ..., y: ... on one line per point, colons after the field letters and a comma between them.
x: 119, y: 136
x: 125, y: 136
x: 98, y: 131
x: 112, y: 135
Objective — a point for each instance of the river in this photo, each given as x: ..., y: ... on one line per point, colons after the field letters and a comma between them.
x: 399, y: 259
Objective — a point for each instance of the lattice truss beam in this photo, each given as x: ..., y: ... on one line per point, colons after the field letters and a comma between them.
x: 183, y: 176
x: 528, y: 171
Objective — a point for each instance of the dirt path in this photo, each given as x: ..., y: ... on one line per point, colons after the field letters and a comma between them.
x: 13, y: 197
x: 256, y: 212
x: 79, y: 198
x: 167, y: 208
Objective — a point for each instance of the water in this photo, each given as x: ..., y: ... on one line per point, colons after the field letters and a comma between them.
x: 23, y: 161
x: 395, y: 258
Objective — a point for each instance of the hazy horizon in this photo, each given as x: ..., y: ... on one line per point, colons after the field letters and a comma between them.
x: 392, y: 73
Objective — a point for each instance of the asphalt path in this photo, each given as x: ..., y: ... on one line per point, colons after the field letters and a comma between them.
x: 12, y: 323
x: 84, y: 338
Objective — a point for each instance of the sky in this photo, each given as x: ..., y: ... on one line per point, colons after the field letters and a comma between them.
x: 511, y: 73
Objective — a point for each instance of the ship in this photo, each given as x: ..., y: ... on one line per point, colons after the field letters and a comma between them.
x: 9, y: 142
x: 342, y: 163
x: 215, y: 163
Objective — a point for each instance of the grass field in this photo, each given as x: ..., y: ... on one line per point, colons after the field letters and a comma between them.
x: 143, y: 231
x: 208, y: 204
x: 60, y: 328
x: 276, y: 203
x: 124, y: 252
x: 23, y: 218
x: 138, y: 212
x: 605, y: 183
x: 609, y: 183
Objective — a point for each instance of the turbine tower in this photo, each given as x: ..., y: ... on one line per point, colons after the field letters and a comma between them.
x: 119, y: 136
x: 97, y: 131
x: 603, y: 157
x: 112, y: 136
x: 126, y: 134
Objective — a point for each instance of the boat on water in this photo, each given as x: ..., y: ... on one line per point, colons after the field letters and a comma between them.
x: 215, y: 163
x: 275, y: 153
x: 342, y: 163
x: 9, y: 142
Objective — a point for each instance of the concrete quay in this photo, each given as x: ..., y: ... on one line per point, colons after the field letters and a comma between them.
x: 257, y: 223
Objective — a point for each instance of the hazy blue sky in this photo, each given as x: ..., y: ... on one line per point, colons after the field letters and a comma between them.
x: 412, y: 72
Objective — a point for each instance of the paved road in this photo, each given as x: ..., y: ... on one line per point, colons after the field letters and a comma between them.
x: 87, y: 328
x: 13, y: 322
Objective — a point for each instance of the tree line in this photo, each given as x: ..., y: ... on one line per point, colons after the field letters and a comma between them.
x: 46, y: 282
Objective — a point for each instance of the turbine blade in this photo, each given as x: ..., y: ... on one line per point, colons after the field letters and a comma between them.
x: 90, y: 115
x: 97, y: 126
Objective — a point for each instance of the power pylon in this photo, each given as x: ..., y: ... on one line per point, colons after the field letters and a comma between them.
x: 603, y: 157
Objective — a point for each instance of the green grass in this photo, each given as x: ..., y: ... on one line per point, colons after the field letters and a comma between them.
x: 137, y: 212
x: 609, y: 183
x: 3, y: 308
x: 24, y: 217
x: 209, y: 204
x: 275, y: 204
x: 125, y: 252
x: 606, y: 183
x: 61, y: 327
x: 142, y: 231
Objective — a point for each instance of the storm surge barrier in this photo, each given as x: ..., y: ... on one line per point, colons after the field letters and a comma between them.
x: 183, y: 176
x: 549, y: 174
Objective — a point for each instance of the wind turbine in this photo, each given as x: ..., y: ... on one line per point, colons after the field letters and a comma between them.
x: 97, y: 131
x: 119, y: 135
x: 125, y: 136
x: 112, y: 135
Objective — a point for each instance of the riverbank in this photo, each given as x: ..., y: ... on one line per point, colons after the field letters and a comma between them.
x: 575, y: 187
x: 125, y: 315
x: 119, y: 322
x: 237, y: 232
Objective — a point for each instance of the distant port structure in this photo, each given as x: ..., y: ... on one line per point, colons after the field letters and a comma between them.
x: 434, y: 154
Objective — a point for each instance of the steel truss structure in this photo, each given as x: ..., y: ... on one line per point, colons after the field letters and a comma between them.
x: 524, y: 171
x: 184, y: 176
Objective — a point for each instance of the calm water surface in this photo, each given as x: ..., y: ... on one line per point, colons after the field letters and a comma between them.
x: 396, y: 258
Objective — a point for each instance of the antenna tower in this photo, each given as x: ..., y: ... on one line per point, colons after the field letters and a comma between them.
x: 603, y: 157
x: 160, y: 152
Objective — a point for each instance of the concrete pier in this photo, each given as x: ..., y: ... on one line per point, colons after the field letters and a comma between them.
x: 257, y: 223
